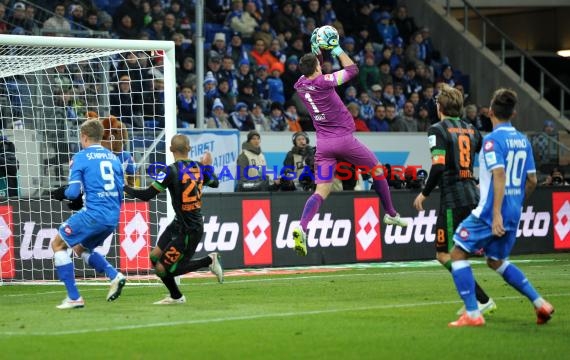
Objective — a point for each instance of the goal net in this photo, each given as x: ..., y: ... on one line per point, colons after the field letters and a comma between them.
x: 48, y: 87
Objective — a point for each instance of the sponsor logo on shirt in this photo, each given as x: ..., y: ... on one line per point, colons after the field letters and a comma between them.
x: 463, y: 233
x: 329, y: 77
x: 67, y: 230
x: 489, y: 145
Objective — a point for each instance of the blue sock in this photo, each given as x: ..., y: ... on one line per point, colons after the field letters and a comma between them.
x: 516, y: 278
x: 65, y: 272
x: 465, y: 283
x: 100, y: 264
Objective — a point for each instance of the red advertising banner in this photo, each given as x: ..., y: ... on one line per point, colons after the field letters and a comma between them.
x: 367, y: 229
x: 7, y: 264
x: 134, y: 237
x: 257, y: 243
x: 561, y: 223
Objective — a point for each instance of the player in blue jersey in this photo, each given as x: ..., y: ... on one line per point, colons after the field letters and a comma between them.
x: 334, y: 127
x: 507, y: 176
x: 97, y: 177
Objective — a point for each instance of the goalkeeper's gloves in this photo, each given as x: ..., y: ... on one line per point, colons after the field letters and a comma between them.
x: 59, y: 193
x: 337, y: 50
x: 76, y: 204
x: 314, y: 46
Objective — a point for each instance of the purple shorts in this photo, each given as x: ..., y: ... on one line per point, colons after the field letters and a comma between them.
x: 347, y: 148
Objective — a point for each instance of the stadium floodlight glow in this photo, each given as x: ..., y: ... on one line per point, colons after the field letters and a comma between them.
x: 563, y: 53
x: 48, y: 85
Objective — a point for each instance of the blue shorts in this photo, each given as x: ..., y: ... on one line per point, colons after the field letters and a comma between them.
x: 84, y: 230
x: 473, y: 235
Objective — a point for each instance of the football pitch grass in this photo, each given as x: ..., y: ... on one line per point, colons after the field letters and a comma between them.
x: 365, y: 311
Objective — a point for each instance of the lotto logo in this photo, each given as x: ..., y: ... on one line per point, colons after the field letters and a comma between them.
x: 134, y: 236
x: 257, y: 248
x: 367, y: 229
x: 561, y: 212
x: 67, y: 230
x: 7, y: 264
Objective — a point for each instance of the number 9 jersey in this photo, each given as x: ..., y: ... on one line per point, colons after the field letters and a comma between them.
x: 507, y: 148
x: 100, y: 175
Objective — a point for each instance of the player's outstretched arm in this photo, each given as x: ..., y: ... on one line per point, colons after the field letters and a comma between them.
x: 141, y: 194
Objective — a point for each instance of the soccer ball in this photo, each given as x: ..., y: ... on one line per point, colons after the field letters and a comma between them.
x: 327, y: 37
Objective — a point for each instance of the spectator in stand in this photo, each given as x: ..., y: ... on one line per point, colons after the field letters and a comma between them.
x: 415, y: 99
x: 182, y: 49
x: 228, y: 72
x: 276, y: 50
x: 219, y: 118
x: 556, y: 178
x: 244, y: 73
x: 296, y: 48
x: 416, y: 52
x: 265, y: 33
x: 276, y: 92
x: 57, y: 23
x: 210, y: 89
x: 226, y: 96
x: 301, y: 18
x: 405, y: 24
x: 424, y: 122
x: 214, y: 66
x: 428, y: 101
x: 285, y: 21
x: 240, y: 119
x: 292, y: 117
x: 218, y: 9
x: 376, y: 94
x: 92, y: 20
x: 153, y: 107
x: 156, y: 29
x: 314, y: 12
x: 186, y: 74
x: 248, y: 96
x: 261, y: 55
x: 218, y: 48
x: 368, y: 74
x: 350, y: 95
x: 125, y: 29
x: 187, y: 105
x: 126, y: 104
x: 427, y: 44
x: 359, y: 124
x: 261, y: 84
x: 277, y: 120
x: 399, y: 75
x: 156, y: 10
x: 409, y: 117
x: 147, y: 13
x: 366, y: 107
x: 386, y: 28
x: 366, y: 23
x: 260, y: 121
x: 447, y: 76
x: 76, y: 17
x: 236, y: 49
x: 252, y: 8
x: 329, y: 14
x: 485, y: 119
x: 385, y: 75
x: 397, y: 57
x: 378, y: 122
x: 290, y: 76
x: 134, y: 9
x: 471, y: 117
x: 18, y: 22
x: 349, y: 46
x: 169, y: 27
x: 241, y: 21
x: 399, y: 96
x: 413, y: 82
x: 388, y: 96
x: 394, y: 121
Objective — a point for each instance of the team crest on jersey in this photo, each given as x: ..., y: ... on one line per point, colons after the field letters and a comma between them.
x: 463, y: 233
x: 431, y: 141
x: 67, y: 229
x: 329, y: 77
x: 489, y: 145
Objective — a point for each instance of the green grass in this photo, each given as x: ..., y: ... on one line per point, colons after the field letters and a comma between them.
x: 366, y: 313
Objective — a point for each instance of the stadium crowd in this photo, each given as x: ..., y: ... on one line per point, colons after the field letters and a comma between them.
x: 251, y: 61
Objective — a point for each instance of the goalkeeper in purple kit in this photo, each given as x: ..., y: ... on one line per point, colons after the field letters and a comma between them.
x: 334, y: 127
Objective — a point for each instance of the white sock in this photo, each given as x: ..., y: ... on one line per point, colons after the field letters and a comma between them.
x: 474, y: 314
x: 538, y: 302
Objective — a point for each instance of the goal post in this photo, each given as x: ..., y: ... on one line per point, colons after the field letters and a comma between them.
x: 48, y: 87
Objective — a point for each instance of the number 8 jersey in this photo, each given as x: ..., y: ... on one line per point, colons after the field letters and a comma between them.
x: 507, y: 148
x: 454, y: 143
